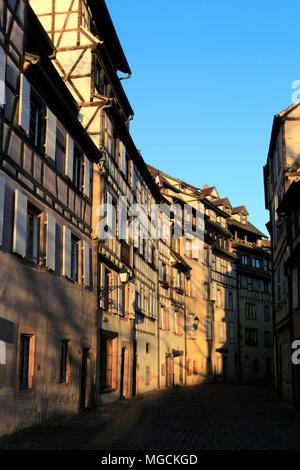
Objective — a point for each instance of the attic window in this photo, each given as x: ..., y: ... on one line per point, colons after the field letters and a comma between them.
x: 86, y: 19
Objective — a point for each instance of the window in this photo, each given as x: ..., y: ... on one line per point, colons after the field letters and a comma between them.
x: 109, y: 361
x: 26, y: 360
x: 189, y: 286
x: 191, y: 326
x: 206, y: 290
x: 177, y: 326
x: 60, y: 148
x: 255, y: 284
x: 107, y: 285
x: 231, y: 332
x: 115, y: 147
x: 65, y: 361
x: 86, y: 20
x: 74, y: 258
x: 188, y: 248
x: 34, y: 228
x: 37, y: 126
x: 250, y: 311
x: 267, y: 313
x: 195, y: 368
x: 100, y: 81
x: 164, y: 320
x: 244, y: 259
x: 251, y: 336
x: 219, y: 298
x: 267, y: 339
x: 256, y: 263
x: 244, y: 282
x: 147, y: 348
x: 230, y: 301
x: 78, y: 169
x: 209, y: 329
x: 206, y: 255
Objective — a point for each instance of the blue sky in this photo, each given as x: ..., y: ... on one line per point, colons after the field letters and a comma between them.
x: 207, y: 79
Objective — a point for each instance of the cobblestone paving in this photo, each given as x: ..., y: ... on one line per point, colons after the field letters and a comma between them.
x: 210, y: 416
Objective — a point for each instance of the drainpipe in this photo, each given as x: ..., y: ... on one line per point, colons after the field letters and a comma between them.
x: 125, y: 78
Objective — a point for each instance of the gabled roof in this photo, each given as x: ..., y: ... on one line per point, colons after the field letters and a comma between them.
x: 222, y: 202
x: 208, y: 191
x: 108, y: 34
x: 247, y: 227
x: 240, y: 210
x: 277, y: 121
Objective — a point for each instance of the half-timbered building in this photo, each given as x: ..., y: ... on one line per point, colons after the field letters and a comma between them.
x: 47, y: 303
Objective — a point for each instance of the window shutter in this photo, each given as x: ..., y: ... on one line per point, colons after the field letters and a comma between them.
x: 51, y: 135
x: 168, y: 274
x: 160, y: 270
x: 2, y: 76
x: 69, y: 157
x: 133, y: 178
x: 213, y: 291
x: 50, y: 242
x: 295, y: 288
x: 203, y: 290
x: 2, y: 197
x: 115, y: 281
x: 193, y: 288
x: 202, y: 254
x: 109, y: 210
x: 66, y: 251
x: 102, y: 286
x: 114, y: 362
x: 209, y: 257
x: 24, y: 104
x: 160, y: 316
x: 20, y: 224
x: 168, y: 318
x: 108, y: 134
x: 2, y: 353
x: 123, y: 157
x: 87, y: 173
x: 234, y: 301
x: 86, y: 263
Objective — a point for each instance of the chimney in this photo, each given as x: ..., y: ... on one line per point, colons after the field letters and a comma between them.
x: 205, y: 186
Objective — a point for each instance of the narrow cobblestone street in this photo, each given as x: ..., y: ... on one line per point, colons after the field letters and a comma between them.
x: 211, y: 416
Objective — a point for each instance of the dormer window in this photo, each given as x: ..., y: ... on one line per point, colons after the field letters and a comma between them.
x: 100, y: 81
x: 86, y: 19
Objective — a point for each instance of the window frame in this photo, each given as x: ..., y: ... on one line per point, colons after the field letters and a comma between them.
x: 65, y: 361
x: 31, y: 334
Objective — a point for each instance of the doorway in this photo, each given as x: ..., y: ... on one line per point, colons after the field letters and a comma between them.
x: 124, y: 372
x: 85, y: 379
x: 168, y: 370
